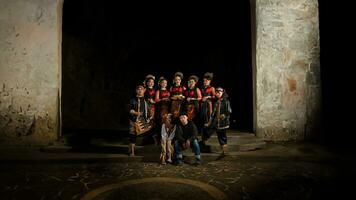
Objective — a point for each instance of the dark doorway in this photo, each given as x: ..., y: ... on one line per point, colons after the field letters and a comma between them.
x: 336, y: 84
x: 108, y: 49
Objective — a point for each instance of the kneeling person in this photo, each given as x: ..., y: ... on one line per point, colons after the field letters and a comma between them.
x: 186, y: 137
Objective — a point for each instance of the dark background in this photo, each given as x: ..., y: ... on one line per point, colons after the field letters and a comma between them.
x: 338, y: 80
x: 109, y: 48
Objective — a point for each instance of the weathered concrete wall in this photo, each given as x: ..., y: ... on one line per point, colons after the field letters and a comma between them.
x: 287, y: 69
x: 29, y: 71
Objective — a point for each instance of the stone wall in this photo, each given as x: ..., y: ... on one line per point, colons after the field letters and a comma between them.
x: 29, y: 71
x: 287, y: 69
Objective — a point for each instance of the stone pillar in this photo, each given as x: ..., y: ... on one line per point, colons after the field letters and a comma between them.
x: 287, y: 69
x: 30, y: 49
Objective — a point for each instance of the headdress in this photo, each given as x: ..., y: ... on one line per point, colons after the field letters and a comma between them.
x: 208, y: 75
x: 180, y: 74
x: 194, y: 78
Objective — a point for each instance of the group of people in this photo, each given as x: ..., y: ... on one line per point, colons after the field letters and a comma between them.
x: 179, y: 114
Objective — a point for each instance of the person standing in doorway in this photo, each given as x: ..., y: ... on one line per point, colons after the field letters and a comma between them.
x: 177, y: 96
x: 150, y: 94
x: 139, y: 118
x: 206, y: 108
x: 193, y: 97
x: 162, y: 100
x: 220, y: 119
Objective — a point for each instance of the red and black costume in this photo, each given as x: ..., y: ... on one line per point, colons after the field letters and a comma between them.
x: 163, y: 103
x: 150, y: 95
x: 206, y: 108
x: 177, y: 97
x: 192, y: 106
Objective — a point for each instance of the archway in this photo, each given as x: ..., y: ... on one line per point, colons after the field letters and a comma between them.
x: 100, y: 40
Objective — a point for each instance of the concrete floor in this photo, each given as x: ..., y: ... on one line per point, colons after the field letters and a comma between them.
x: 280, y: 171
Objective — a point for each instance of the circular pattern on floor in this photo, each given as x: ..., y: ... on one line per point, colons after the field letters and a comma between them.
x: 156, y: 188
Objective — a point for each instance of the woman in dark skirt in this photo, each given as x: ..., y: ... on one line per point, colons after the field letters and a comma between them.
x: 206, y: 108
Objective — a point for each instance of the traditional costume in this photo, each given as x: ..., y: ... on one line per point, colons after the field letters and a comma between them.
x: 177, y: 97
x: 193, y: 96
x: 163, y: 101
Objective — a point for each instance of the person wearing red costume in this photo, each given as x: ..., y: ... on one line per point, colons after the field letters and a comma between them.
x: 150, y: 94
x: 177, y: 95
x: 206, y: 107
x: 193, y: 97
x: 162, y: 99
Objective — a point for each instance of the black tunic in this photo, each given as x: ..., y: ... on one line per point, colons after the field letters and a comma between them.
x: 185, y: 132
